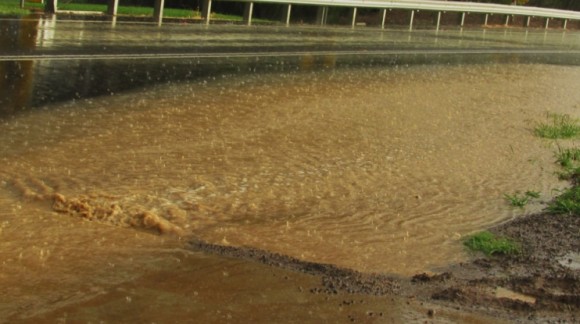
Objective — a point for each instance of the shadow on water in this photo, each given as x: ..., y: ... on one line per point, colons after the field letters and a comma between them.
x: 93, y: 69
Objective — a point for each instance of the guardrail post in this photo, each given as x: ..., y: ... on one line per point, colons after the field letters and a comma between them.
x: 565, y: 24
x: 158, y: 11
x: 112, y: 7
x: 384, y: 19
x: 412, y: 18
x: 321, y: 16
x: 528, y: 21
x: 22, y: 4
x: 438, y: 20
x: 206, y: 11
x: 248, y: 10
x: 51, y: 6
x: 353, y: 15
x: 485, y: 19
x: 507, y: 20
x: 462, y: 19
x: 547, y: 23
x: 286, y: 17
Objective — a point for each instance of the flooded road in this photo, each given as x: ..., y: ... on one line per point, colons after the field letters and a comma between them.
x: 353, y: 168
x: 373, y: 167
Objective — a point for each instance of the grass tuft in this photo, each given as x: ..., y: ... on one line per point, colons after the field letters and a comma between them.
x: 489, y: 244
x: 568, y: 202
x: 532, y: 194
x: 568, y: 157
x: 517, y: 200
x: 520, y: 200
x: 561, y: 126
x: 569, y: 160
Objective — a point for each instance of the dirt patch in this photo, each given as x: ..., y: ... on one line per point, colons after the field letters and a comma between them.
x: 534, y: 284
x: 539, y: 284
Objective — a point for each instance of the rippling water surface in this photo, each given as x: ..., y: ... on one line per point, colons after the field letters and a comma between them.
x: 374, y: 169
x: 380, y: 168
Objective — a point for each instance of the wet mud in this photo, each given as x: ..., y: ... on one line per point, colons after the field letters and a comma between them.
x: 334, y: 278
x: 536, y: 284
x: 540, y: 284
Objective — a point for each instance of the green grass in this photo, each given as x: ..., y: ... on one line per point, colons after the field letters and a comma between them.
x: 561, y: 126
x: 568, y: 202
x: 568, y: 158
x: 520, y: 200
x: 489, y: 244
x: 533, y: 194
x: 12, y: 7
x: 123, y: 10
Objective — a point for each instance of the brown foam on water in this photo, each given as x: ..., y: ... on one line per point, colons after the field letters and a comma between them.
x: 103, y: 208
x: 87, y: 208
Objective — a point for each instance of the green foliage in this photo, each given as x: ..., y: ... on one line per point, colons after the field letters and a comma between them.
x: 572, y: 174
x: 561, y: 126
x: 533, y: 194
x: 560, y: 4
x: 520, y: 200
x: 568, y: 158
x: 82, y: 7
x: 516, y: 200
x: 568, y: 202
x: 489, y: 244
x: 12, y: 7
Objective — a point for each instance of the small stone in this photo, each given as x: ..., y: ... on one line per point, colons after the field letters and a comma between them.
x: 431, y: 312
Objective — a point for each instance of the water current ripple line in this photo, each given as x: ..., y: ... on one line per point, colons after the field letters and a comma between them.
x: 64, y: 57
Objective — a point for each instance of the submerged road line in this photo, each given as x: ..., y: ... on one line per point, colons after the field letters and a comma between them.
x: 121, y: 56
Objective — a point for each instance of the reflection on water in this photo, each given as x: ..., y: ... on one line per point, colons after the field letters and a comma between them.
x: 376, y: 167
x: 47, y: 60
x: 16, y: 77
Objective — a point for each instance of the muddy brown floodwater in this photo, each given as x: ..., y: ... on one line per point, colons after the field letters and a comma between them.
x: 378, y: 170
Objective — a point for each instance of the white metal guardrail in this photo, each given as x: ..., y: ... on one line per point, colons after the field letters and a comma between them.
x: 438, y: 6
x: 434, y: 5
